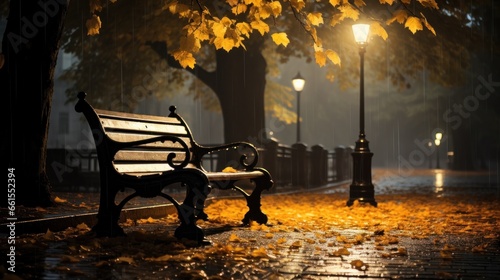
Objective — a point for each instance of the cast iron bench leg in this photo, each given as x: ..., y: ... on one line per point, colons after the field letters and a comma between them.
x: 253, y: 201
x: 191, y: 210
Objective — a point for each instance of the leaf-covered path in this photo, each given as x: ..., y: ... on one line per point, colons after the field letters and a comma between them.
x: 427, y: 231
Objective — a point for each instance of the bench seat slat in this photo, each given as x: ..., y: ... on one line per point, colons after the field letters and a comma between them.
x: 136, y: 117
x: 142, y: 167
x: 224, y: 176
x: 148, y: 156
x: 144, y: 127
x: 130, y: 137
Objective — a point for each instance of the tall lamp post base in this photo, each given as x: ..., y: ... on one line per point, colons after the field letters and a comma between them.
x: 362, y: 188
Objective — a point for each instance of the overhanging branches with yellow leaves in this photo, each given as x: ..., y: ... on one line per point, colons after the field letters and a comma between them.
x: 228, y: 24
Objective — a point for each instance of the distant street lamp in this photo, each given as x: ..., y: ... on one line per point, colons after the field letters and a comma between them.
x: 361, y: 188
x: 298, y: 84
x: 437, y: 142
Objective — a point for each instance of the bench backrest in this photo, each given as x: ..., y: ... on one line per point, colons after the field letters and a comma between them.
x: 119, y: 128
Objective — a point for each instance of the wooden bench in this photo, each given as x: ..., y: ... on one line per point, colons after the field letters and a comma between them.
x: 148, y: 153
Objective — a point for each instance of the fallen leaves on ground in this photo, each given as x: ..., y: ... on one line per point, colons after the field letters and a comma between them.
x: 315, y: 224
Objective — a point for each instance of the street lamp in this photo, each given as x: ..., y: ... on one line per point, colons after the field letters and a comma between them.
x: 361, y: 188
x: 437, y: 142
x: 298, y: 84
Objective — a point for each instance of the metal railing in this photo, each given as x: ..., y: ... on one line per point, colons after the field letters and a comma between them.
x: 290, y: 166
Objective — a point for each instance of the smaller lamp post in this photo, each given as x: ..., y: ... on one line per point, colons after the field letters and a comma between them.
x: 437, y: 142
x: 298, y: 85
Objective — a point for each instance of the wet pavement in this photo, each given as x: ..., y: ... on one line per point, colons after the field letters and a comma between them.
x: 329, y: 250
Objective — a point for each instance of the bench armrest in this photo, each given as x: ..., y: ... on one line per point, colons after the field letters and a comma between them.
x: 117, y: 146
x: 249, y: 154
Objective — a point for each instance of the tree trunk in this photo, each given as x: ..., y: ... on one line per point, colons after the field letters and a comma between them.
x: 240, y: 86
x: 30, y: 46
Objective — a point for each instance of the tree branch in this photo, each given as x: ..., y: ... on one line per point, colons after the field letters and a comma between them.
x: 160, y: 47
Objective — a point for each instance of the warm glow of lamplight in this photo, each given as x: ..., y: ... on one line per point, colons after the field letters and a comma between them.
x: 438, y: 182
x: 361, y: 31
x: 298, y: 82
x: 439, y: 136
x: 437, y: 142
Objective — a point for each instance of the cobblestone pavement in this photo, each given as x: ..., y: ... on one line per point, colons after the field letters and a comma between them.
x: 408, y: 258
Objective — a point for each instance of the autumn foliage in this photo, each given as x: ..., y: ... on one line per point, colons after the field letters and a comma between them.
x: 229, y: 24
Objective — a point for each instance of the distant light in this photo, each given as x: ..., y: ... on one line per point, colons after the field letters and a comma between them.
x: 437, y: 142
x: 361, y: 31
x: 298, y: 82
x: 439, y: 135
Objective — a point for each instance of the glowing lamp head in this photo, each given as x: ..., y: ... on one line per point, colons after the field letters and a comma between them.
x: 298, y: 82
x: 439, y: 135
x: 361, y: 31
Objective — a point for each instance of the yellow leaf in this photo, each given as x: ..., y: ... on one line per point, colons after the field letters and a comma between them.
x: 239, y: 9
x: 229, y: 169
x: 427, y: 25
x: 349, y: 11
x: 257, y: 3
x: 414, y: 24
x: 82, y: 226
x: 333, y: 57
x: 298, y: 4
x: 219, y: 28
x: 359, y: 265
x: 377, y: 29
x: 280, y: 39
x: 227, y: 44
x: 429, y: 4
x: 244, y: 28
x: 340, y: 252
x: 259, y: 253
x: 163, y: 258
x: 95, y: 6
x: 320, y: 58
x: 269, y: 235
x: 275, y: 8
x: 399, y: 16
x: 260, y: 26
x: 128, y: 260
x: 281, y: 240
x: 234, y: 238
x: 176, y: 8
x: 265, y: 12
x: 315, y: 18
x: 336, y: 19
x: 93, y: 25
x: 295, y: 245
x: 49, y: 235
x: 334, y: 2
x: 190, y: 43
x: 59, y: 200
x: 389, y: 2
x: 185, y: 58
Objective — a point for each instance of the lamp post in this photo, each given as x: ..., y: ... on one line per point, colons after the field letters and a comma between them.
x: 361, y: 188
x: 298, y: 84
x: 437, y: 142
